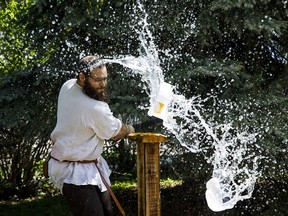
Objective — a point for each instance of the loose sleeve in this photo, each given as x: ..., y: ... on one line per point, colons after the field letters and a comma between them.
x: 104, y: 124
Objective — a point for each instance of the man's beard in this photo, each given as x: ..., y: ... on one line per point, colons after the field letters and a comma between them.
x: 92, y: 93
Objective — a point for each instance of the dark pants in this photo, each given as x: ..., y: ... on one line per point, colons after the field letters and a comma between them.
x: 87, y: 200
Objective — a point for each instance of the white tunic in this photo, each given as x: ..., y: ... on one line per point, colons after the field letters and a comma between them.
x: 83, y: 124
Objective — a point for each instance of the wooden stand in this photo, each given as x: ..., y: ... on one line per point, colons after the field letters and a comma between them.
x: 148, y: 172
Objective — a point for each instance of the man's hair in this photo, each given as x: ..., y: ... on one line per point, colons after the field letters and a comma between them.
x: 89, y: 62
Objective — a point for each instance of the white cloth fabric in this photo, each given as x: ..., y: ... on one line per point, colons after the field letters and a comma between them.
x: 83, y: 125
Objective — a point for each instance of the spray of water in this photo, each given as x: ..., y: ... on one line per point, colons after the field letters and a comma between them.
x: 234, y: 167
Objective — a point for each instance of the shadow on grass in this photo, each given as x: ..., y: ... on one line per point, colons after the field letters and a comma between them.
x: 187, y: 199
x: 44, y: 206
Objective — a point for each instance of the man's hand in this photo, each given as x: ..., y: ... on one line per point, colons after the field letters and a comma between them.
x: 124, y: 131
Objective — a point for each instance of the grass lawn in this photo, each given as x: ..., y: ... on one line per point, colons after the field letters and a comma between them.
x: 177, y: 198
x: 44, y: 206
x: 55, y: 205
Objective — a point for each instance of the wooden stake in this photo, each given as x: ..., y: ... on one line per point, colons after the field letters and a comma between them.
x: 148, y: 172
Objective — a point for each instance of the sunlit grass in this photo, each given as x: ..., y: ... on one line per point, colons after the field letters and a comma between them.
x: 122, y: 185
x: 132, y: 184
x: 164, y: 183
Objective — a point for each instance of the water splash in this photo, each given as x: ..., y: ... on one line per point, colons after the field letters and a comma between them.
x: 234, y: 167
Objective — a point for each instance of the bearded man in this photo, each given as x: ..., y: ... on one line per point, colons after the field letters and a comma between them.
x: 84, y: 122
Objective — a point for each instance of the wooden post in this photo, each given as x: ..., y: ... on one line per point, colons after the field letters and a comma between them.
x: 148, y: 172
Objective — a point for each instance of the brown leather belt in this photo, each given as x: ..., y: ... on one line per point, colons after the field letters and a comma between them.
x: 103, y: 180
x: 79, y: 161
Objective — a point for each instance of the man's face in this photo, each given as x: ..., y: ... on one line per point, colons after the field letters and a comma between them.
x: 95, y: 85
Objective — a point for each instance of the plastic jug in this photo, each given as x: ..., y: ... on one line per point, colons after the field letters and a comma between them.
x: 164, y: 96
